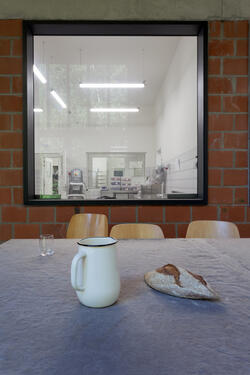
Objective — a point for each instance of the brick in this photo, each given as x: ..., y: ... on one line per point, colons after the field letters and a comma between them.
x: 150, y: 214
x: 5, y: 232
x: 123, y: 214
x: 5, y: 196
x: 236, y: 29
x: 235, y: 103
x: 5, y: 122
x: 177, y: 213
x: 4, y: 85
x: 214, y: 103
x: 213, y: 66
x: 168, y: 230
x: 27, y: 231
x: 41, y: 214
x: 17, y: 85
x: 182, y: 230
x: 241, y: 122
x: 4, y: 47
x: 204, y: 213
x: 17, y: 159
x: 17, y: 47
x: 11, y: 177
x: 214, y: 29
x: 64, y: 213
x: 217, y: 85
x: 220, y: 122
x: 235, y: 177
x: 17, y: 122
x: 10, y: 103
x: 58, y: 230
x: 11, y: 140
x: 242, y: 85
x: 241, y: 196
x: 11, y: 28
x: 248, y: 213
x: 220, y: 159
x: 235, y: 66
x: 5, y: 159
x: 17, y: 195
x: 236, y: 140
x: 244, y: 230
x: 214, y: 177
x: 241, y: 159
x: 96, y: 210
x: 14, y: 214
x: 215, y: 141
x: 221, y: 47
x: 10, y: 65
x: 242, y: 47
x: 228, y: 213
x: 220, y: 195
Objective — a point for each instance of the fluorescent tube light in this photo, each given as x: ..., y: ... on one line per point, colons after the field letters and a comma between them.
x: 114, y: 109
x: 58, y: 99
x: 39, y: 75
x: 112, y: 85
x: 38, y: 110
x: 118, y: 147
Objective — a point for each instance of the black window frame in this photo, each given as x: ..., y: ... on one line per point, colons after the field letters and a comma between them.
x: 123, y: 28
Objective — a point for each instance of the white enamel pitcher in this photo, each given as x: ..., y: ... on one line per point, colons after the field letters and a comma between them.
x: 94, y: 272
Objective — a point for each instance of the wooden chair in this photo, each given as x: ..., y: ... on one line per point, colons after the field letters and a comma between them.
x: 212, y: 229
x: 87, y: 225
x: 125, y: 231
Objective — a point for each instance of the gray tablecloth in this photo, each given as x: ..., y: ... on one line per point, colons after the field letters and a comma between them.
x: 45, y: 330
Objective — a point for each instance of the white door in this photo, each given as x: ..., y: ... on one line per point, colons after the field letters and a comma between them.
x: 57, y: 175
x: 47, y: 176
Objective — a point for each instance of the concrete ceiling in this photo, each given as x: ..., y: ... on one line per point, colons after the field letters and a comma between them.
x: 125, y: 10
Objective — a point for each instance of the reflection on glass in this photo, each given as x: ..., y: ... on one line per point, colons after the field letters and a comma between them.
x: 122, y: 122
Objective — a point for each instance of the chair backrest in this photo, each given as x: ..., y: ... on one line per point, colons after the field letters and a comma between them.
x: 126, y: 231
x: 87, y: 225
x: 212, y: 229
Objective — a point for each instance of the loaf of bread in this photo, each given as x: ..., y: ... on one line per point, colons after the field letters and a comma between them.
x: 179, y: 282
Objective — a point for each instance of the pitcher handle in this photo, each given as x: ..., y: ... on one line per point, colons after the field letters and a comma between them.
x: 74, y: 267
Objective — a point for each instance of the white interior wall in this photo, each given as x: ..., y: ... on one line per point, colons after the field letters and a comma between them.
x: 176, y: 104
x: 77, y: 142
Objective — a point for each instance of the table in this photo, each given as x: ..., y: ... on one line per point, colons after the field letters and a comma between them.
x: 44, y: 330
x: 118, y: 192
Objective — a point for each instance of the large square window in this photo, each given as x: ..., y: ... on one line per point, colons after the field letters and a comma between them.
x: 115, y: 113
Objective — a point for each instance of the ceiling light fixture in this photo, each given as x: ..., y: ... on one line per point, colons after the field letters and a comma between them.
x: 112, y: 85
x: 118, y: 147
x: 114, y: 109
x: 39, y: 75
x: 38, y: 110
x: 58, y: 99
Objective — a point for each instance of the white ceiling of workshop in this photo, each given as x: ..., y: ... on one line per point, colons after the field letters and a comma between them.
x: 67, y: 61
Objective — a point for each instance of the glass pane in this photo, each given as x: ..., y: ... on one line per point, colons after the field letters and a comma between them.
x: 115, y: 117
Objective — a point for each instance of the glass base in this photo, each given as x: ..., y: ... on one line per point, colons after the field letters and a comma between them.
x: 50, y: 252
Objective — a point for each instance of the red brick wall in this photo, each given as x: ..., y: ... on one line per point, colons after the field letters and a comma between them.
x: 228, y: 142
